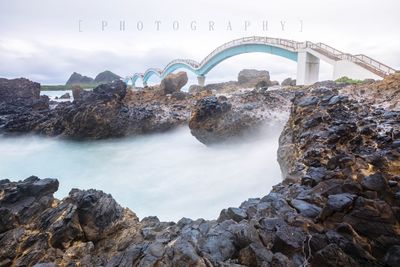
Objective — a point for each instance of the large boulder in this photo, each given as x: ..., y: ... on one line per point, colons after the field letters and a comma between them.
x: 252, y: 77
x: 96, y: 211
x: 174, y: 82
x: 21, y: 96
x: 103, y: 112
x: 288, y: 82
x: 78, y: 79
x: 93, y: 114
x: 218, y: 119
x: 18, y: 88
x: 77, y: 92
x: 25, y: 199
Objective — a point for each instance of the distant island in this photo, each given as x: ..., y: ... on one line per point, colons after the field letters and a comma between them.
x: 77, y: 79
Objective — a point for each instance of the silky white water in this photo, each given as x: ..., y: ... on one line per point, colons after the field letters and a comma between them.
x: 170, y: 175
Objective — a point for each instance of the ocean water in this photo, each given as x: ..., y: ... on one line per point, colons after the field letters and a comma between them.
x: 170, y: 175
x: 53, y: 94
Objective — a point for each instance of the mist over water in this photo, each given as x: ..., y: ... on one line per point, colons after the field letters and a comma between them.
x: 170, y: 175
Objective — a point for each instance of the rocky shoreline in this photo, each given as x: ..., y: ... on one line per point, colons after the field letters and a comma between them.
x: 113, y: 110
x: 338, y: 205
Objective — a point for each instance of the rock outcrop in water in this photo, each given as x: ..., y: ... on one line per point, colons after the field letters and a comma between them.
x: 20, y: 98
x: 217, y: 119
x: 18, y: 95
x: 339, y: 205
x: 110, y: 110
x: 101, y: 78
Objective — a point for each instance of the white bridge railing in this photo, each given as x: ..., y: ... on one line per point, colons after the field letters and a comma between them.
x: 362, y: 60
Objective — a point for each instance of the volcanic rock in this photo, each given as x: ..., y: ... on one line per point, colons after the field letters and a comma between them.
x: 21, y: 96
x: 333, y: 207
x: 222, y: 119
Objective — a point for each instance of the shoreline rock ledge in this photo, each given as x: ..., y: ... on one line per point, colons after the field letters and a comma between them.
x: 339, y: 205
x: 109, y: 110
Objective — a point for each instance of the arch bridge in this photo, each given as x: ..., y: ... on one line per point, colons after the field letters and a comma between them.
x: 306, y: 54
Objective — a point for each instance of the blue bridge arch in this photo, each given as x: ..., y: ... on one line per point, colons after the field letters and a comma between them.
x: 306, y: 54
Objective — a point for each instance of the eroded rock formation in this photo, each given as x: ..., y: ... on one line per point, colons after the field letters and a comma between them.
x: 110, y: 110
x: 217, y: 119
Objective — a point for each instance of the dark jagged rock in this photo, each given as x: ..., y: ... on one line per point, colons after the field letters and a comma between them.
x: 21, y: 96
x: 221, y: 119
x: 306, y: 209
x: 104, y: 112
x: 236, y: 214
x: 18, y: 88
x: 110, y: 110
x: 335, y: 207
x: 375, y: 182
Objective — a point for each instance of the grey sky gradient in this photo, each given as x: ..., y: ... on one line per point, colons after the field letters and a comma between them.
x: 39, y: 39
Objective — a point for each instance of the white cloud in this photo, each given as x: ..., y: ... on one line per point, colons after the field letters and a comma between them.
x: 40, y: 39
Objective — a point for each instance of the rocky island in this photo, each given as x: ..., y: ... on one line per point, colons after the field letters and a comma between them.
x: 338, y: 203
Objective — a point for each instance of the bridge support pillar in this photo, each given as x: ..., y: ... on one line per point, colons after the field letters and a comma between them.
x: 201, y: 80
x: 144, y: 84
x: 307, y: 68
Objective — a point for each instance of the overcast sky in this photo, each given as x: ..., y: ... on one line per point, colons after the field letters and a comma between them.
x: 47, y: 40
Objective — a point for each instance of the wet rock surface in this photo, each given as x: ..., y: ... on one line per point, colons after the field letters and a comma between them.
x: 339, y: 204
x: 218, y: 119
x: 112, y: 110
x: 109, y: 110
